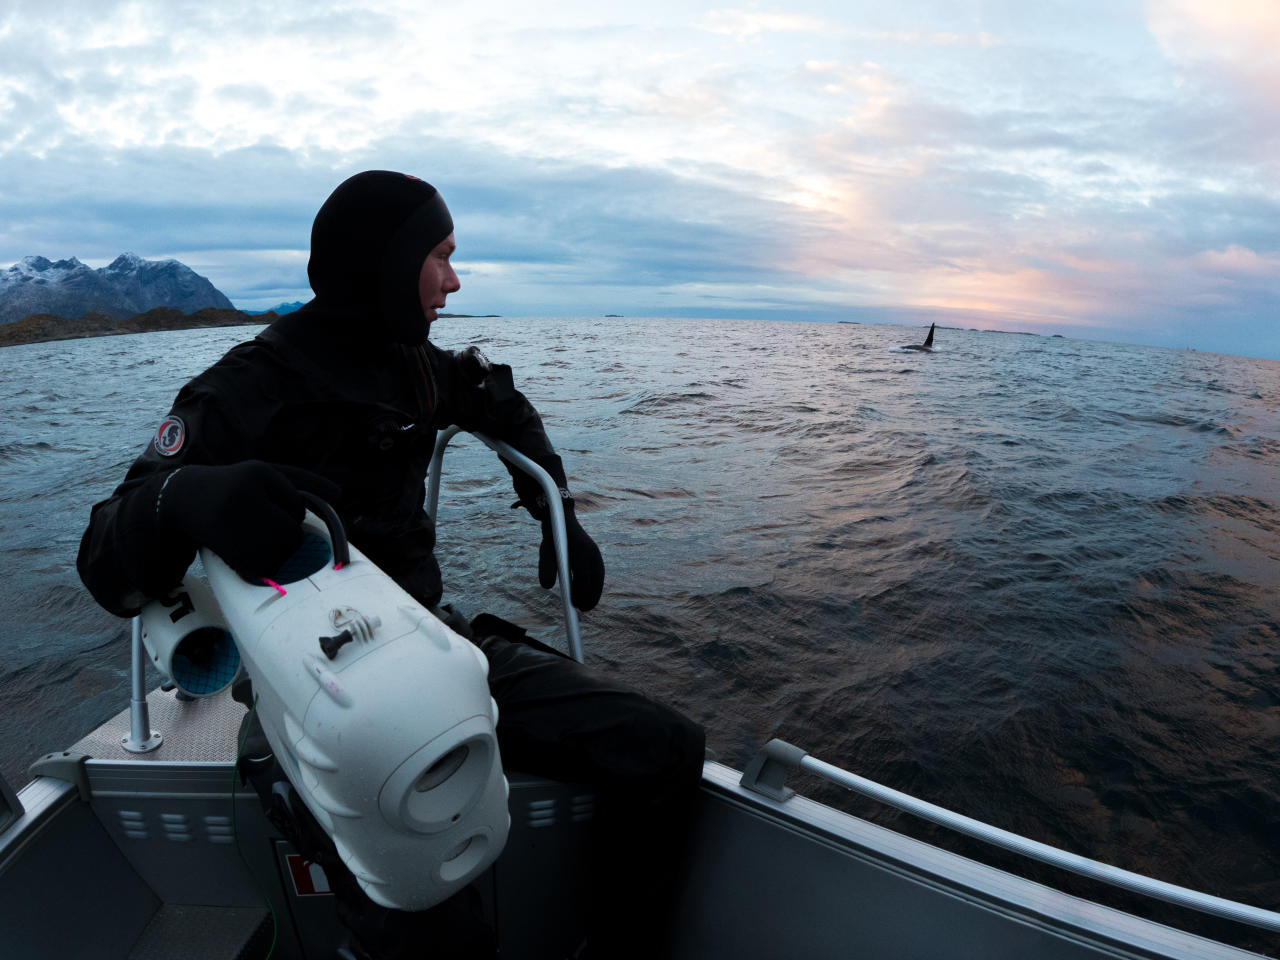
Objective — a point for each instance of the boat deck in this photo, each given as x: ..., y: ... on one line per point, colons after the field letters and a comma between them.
x: 193, y: 731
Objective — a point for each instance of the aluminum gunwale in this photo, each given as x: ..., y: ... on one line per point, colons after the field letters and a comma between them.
x: 1119, y: 932
x: 1158, y: 889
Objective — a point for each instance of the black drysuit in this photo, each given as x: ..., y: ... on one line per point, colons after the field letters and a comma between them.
x: 312, y: 392
x: 309, y: 393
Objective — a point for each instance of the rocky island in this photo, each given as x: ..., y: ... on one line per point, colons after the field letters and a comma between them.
x: 46, y: 326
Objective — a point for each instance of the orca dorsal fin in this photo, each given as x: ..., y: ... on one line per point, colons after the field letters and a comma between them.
x: 928, y: 341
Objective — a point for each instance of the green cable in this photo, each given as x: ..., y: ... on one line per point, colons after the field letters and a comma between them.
x: 235, y: 834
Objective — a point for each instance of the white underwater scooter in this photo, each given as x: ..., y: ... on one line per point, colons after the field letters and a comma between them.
x: 379, y: 714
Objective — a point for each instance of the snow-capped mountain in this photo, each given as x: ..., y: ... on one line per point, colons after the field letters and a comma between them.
x: 125, y: 287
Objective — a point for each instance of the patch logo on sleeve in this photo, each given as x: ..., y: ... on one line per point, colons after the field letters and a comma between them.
x: 170, y: 436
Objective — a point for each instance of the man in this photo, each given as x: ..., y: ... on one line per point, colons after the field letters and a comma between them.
x: 343, y: 398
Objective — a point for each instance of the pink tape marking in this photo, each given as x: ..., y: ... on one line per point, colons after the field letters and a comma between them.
x: 272, y: 583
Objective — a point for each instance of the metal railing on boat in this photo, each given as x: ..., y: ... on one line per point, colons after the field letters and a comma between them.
x: 768, y: 771
x: 141, y: 738
x: 552, y: 492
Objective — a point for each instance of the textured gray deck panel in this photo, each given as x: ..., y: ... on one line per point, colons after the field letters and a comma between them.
x: 198, y: 933
x: 200, y: 731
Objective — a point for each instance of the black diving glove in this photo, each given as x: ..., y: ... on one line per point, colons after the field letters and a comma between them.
x: 586, y: 565
x: 248, y: 513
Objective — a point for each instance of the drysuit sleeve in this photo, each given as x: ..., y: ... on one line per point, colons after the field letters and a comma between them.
x: 126, y: 556
x: 480, y: 396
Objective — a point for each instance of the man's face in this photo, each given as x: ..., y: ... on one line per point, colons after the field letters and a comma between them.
x: 437, y: 279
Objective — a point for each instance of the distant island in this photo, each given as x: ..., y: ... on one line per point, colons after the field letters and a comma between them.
x: 280, y: 309
x: 42, y: 327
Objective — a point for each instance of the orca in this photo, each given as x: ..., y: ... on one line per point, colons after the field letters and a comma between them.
x: 926, y: 347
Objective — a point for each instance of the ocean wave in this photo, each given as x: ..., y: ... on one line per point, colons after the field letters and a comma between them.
x: 1178, y: 420
x: 661, y: 401
x: 1264, y: 449
x: 1256, y: 513
x: 17, y: 450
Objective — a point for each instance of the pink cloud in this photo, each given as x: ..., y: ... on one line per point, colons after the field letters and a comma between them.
x: 1237, y: 261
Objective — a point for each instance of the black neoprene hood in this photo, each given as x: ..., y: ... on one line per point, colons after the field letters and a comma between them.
x: 368, y: 243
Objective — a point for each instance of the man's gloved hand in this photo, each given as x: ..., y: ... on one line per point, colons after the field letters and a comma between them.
x: 586, y: 566
x: 248, y: 513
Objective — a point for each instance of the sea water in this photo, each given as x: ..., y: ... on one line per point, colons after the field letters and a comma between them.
x: 1031, y: 579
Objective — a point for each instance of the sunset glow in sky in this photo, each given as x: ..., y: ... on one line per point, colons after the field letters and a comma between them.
x: 1100, y: 169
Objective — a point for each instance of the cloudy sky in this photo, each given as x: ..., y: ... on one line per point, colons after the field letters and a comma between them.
x: 1099, y: 168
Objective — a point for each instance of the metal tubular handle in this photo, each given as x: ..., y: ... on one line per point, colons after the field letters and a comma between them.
x: 333, y: 523
x: 779, y: 757
x: 141, y: 738
x: 560, y: 537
